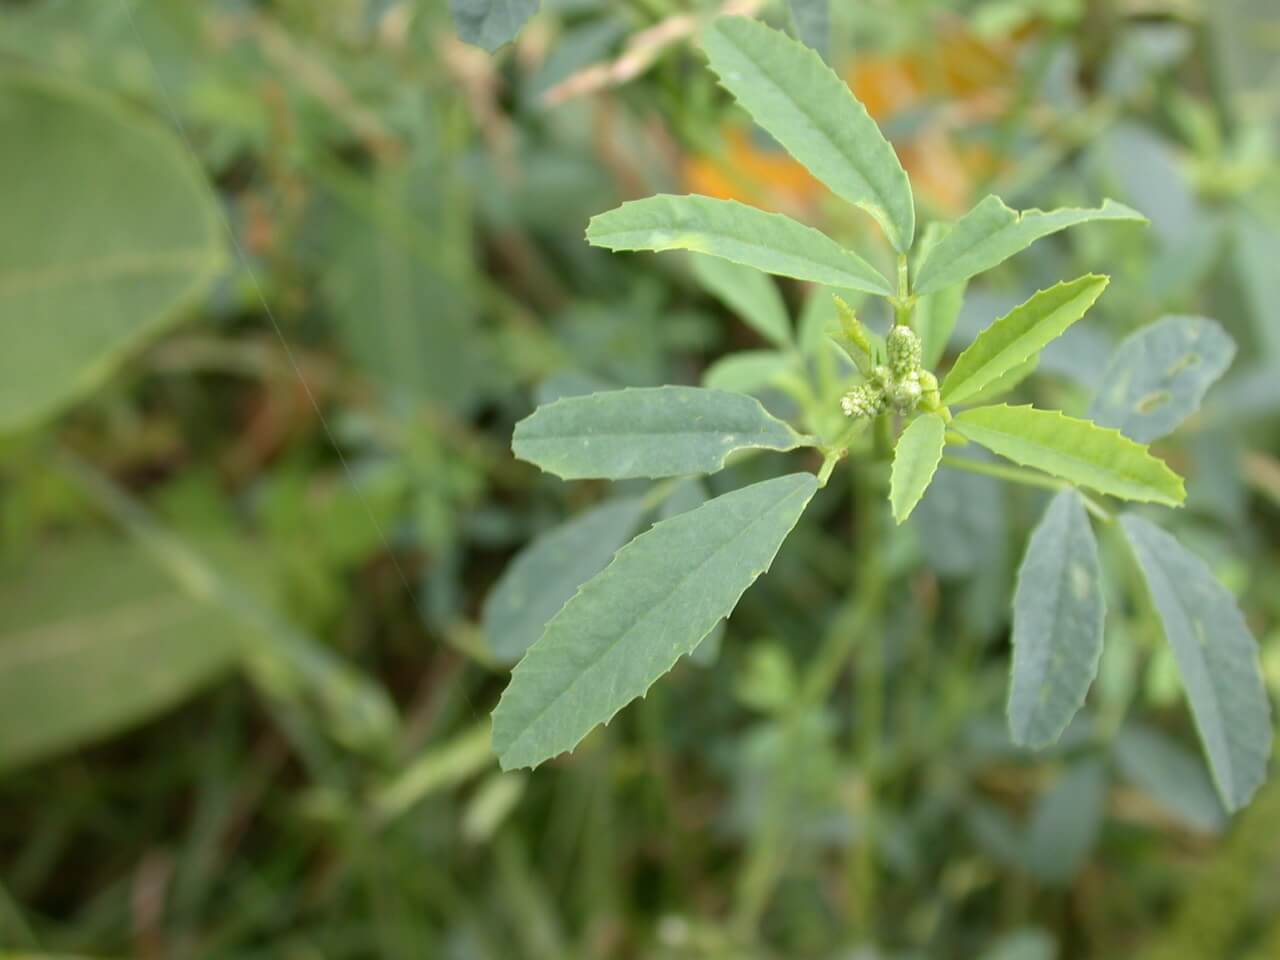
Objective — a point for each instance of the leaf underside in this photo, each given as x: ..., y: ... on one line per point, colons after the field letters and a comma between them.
x: 662, y: 594
x: 1058, y: 614
x: 1216, y: 655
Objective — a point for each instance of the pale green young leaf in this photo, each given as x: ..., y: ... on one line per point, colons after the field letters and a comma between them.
x: 491, y: 23
x: 750, y: 294
x: 1216, y: 655
x: 647, y: 432
x: 734, y: 231
x: 915, y: 460
x: 1159, y: 374
x: 108, y: 232
x: 1019, y: 336
x: 662, y: 594
x: 546, y: 573
x: 747, y: 371
x: 1078, y: 451
x: 803, y: 105
x: 991, y: 233
x: 1058, y: 612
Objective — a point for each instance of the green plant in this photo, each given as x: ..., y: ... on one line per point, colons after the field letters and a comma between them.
x: 665, y: 591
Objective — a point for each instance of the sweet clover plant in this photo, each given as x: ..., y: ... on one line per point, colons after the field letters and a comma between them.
x: 619, y: 612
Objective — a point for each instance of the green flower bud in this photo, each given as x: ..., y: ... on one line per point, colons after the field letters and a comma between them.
x: 906, y: 393
x: 904, y: 351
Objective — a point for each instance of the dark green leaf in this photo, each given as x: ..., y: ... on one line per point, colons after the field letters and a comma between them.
x: 1159, y: 374
x: 1058, y: 612
x: 731, y: 230
x: 1216, y: 655
x: 663, y: 593
x: 546, y: 573
x: 491, y: 23
x: 649, y: 432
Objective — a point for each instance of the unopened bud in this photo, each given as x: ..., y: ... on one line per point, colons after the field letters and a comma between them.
x: 864, y: 400
x: 903, y: 347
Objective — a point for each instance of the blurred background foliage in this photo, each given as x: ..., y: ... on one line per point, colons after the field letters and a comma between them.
x: 246, y: 658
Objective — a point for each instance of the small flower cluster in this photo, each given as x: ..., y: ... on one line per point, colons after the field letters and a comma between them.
x: 901, y: 384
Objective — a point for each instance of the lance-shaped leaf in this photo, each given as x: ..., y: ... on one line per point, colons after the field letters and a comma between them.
x: 1159, y: 374
x: 1005, y: 383
x: 544, y: 575
x: 1078, y: 451
x: 991, y: 233
x: 1216, y: 655
x: 491, y: 23
x: 749, y: 293
x: 748, y: 370
x: 648, y: 432
x: 108, y: 232
x: 1066, y: 822
x: 661, y: 595
x: 1019, y: 336
x: 1058, y: 611
x: 915, y: 461
x: 790, y: 92
x: 725, y: 228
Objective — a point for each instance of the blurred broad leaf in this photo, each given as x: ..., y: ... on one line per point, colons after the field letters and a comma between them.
x: 991, y: 233
x: 1066, y: 822
x: 734, y: 231
x: 813, y: 23
x: 1075, y: 450
x: 803, y: 105
x: 647, y: 432
x: 915, y: 460
x: 549, y: 571
x: 1216, y: 655
x: 747, y: 371
x: 750, y: 294
x: 1171, y: 775
x: 1018, y: 337
x: 491, y: 23
x: 937, y: 312
x: 661, y: 595
x: 95, y: 639
x: 1058, y: 613
x: 1158, y: 376
x: 108, y: 231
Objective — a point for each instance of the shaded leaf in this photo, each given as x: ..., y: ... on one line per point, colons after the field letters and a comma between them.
x: 813, y: 23
x: 112, y: 232
x: 1075, y: 450
x: 663, y: 593
x: 96, y: 639
x: 915, y: 460
x: 746, y: 371
x: 491, y: 23
x: 1216, y: 655
x: 1019, y: 336
x: 1171, y: 775
x: 991, y: 233
x: 750, y: 294
x: 546, y: 573
x: 725, y: 228
x: 1058, y: 613
x: 1159, y: 374
x: 1066, y: 822
x: 803, y: 105
x: 648, y: 432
